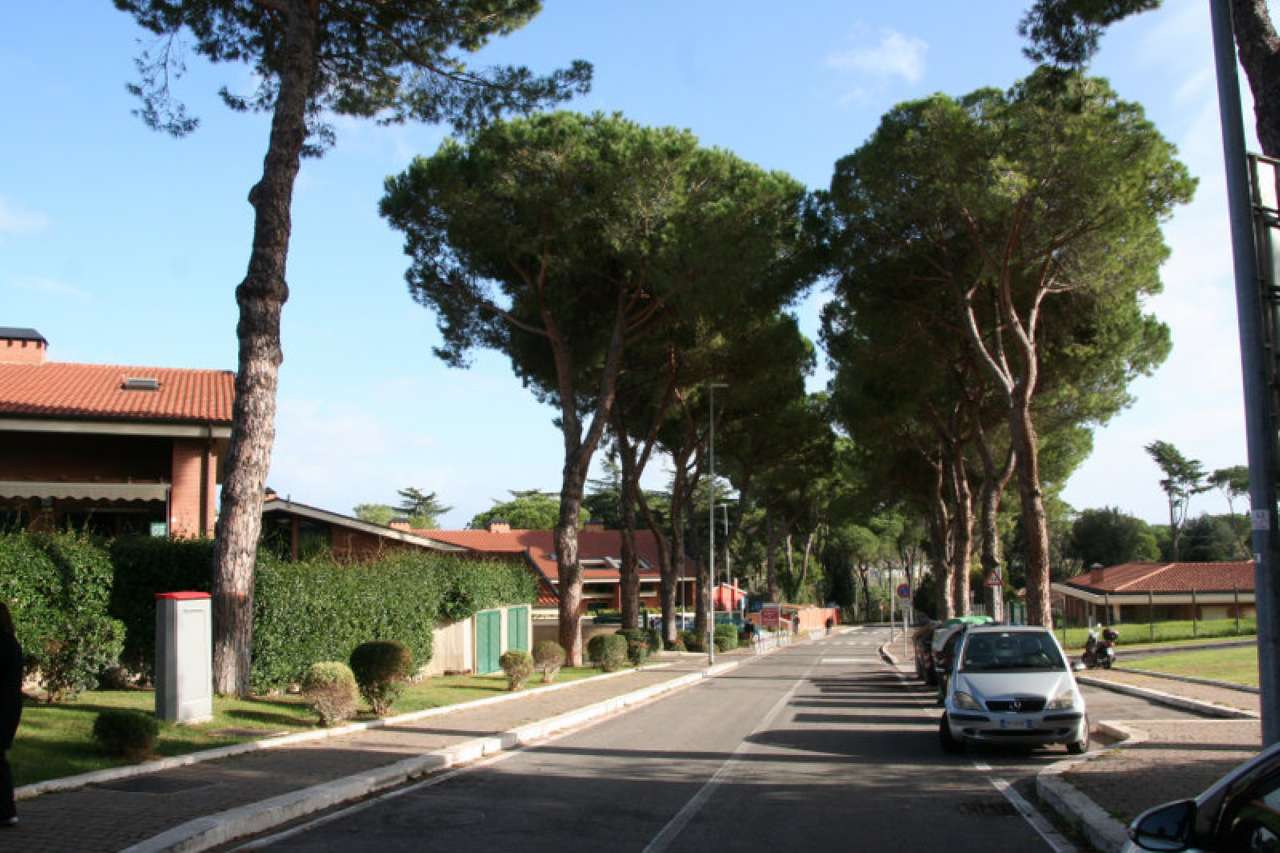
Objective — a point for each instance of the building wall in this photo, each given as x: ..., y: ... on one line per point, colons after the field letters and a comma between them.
x: 187, y: 492
x: 452, y: 649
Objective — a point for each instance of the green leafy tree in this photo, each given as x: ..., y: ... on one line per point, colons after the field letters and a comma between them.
x: 1233, y: 482
x: 1212, y: 539
x: 1111, y: 537
x: 375, y: 513
x: 1041, y: 229
x: 313, y: 58
x: 527, y: 510
x: 1183, y: 479
x: 1066, y: 32
x: 422, y: 508
x: 564, y: 239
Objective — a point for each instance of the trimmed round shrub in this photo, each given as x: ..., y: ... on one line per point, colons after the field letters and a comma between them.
x: 330, y: 689
x: 613, y: 656
x: 693, y: 641
x: 595, y: 649
x: 548, y: 657
x: 637, y: 644
x: 380, y: 668
x: 128, y: 734
x: 518, y: 665
x: 726, y: 637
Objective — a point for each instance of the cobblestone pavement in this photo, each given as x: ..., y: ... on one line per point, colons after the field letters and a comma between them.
x: 114, y: 815
x: 1179, y: 760
x: 1203, y: 692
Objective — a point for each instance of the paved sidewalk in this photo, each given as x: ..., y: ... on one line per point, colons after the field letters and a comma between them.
x: 1179, y: 759
x: 114, y: 815
x: 1200, y: 692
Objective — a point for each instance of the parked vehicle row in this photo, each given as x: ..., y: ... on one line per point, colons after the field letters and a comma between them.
x: 1001, y: 684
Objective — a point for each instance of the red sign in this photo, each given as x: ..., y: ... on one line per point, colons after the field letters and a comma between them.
x: 770, y: 616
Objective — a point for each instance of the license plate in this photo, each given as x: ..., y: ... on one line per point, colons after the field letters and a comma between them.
x: 1017, y: 724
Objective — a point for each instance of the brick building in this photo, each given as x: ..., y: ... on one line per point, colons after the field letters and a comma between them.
x: 1141, y: 592
x: 110, y: 448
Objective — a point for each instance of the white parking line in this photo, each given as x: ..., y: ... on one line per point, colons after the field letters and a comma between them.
x: 1038, y: 822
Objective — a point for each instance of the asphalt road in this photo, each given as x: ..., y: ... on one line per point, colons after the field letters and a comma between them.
x: 819, y: 746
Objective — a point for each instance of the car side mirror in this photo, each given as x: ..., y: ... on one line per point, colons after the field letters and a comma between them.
x: 1166, y: 827
x: 1077, y: 667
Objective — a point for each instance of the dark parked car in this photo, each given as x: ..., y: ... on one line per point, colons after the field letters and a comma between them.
x: 922, y: 644
x: 1239, y: 812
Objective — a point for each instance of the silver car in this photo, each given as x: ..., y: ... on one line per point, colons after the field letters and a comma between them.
x: 1014, y: 685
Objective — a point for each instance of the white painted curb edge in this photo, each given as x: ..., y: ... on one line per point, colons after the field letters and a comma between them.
x: 97, y: 777
x: 1103, y: 831
x: 1191, y: 679
x: 1161, y: 698
x: 253, y: 818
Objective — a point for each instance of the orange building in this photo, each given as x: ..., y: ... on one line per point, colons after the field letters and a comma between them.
x: 109, y: 448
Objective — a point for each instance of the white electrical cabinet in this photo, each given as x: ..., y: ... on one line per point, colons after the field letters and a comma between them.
x: 184, y: 657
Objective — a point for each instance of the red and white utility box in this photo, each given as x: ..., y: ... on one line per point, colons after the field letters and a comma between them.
x: 184, y: 657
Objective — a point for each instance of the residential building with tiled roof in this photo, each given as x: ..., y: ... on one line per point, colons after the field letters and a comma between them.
x: 599, y: 553
x: 1142, y: 592
x: 109, y: 447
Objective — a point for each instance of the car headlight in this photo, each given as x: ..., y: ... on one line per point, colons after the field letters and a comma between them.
x: 965, y: 701
x: 1065, y: 699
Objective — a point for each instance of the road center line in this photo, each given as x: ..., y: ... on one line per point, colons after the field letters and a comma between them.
x: 676, y: 825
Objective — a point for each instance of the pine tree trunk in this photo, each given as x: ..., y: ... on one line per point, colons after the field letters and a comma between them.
x: 630, y: 569
x: 962, y: 520
x: 568, y: 569
x: 1259, y: 50
x: 770, y: 560
x: 940, y: 546
x: 993, y: 596
x: 260, y: 297
x: 1034, y: 522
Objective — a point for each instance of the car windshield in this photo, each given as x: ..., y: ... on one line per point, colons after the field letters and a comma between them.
x: 1026, y: 651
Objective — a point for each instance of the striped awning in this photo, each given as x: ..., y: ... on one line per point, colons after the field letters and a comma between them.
x: 85, y: 491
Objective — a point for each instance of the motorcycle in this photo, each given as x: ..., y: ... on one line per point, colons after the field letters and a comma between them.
x: 1100, y: 652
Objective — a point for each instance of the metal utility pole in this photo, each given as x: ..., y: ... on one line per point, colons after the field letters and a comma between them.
x: 711, y: 521
x: 1259, y: 418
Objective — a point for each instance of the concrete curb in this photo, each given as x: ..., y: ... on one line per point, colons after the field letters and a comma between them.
x: 96, y: 777
x: 212, y: 831
x: 1190, y: 679
x: 1208, y: 709
x: 1103, y: 831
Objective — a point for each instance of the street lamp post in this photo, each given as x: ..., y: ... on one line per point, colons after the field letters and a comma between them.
x: 711, y: 521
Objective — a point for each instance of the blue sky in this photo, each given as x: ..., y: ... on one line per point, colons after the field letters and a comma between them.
x: 124, y: 246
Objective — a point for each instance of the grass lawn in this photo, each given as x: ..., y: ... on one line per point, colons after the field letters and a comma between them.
x: 1134, y: 633
x: 57, y: 740
x: 1239, y: 666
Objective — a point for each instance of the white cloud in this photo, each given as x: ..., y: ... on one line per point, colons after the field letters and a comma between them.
x: 894, y: 55
x: 18, y: 220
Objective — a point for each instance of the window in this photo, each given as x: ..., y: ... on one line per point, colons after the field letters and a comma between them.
x: 1026, y: 651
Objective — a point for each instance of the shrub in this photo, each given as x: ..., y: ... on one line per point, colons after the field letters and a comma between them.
x: 655, y: 640
x: 548, y: 656
x: 130, y: 734
x: 518, y: 665
x: 693, y: 641
x: 72, y: 659
x: 595, y: 649
x: 613, y: 655
x: 380, y: 668
x: 726, y: 637
x: 637, y: 644
x: 330, y: 689
x: 678, y: 645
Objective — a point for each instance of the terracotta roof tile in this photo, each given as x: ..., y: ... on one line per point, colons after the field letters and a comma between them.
x: 67, y: 390
x: 1168, y: 577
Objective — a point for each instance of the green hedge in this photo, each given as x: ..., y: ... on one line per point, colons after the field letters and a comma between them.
x: 62, y: 585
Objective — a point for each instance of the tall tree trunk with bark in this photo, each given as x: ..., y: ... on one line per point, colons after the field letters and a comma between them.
x: 940, y: 542
x: 1259, y: 49
x: 630, y: 570
x: 962, y: 530
x: 666, y: 585
x: 260, y: 297
x: 994, y: 481
x: 770, y: 560
x: 1035, y: 523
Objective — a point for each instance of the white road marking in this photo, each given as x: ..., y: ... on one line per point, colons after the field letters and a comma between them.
x: 1038, y: 822
x: 841, y: 660
x: 676, y: 825
x: 983, y: 766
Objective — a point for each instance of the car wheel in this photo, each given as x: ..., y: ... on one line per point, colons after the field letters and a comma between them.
x: 949, y: 742
x: 1081, y: 746
x: 1106, y: 663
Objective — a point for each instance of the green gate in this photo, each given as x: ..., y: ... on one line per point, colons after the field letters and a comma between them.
x: 488, y: 640
x: 518, y: 628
